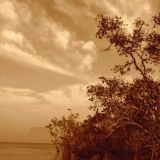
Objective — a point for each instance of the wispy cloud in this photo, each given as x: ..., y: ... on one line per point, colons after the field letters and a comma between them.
x: 15, y: 53
x: 7, y: 10
x: 12, y: 36
x: 14, y: 44
x: 68, y: 51
x: 16, y: 96
x: 73, y: 97
x: 53, y: 102
x: 17, y: 45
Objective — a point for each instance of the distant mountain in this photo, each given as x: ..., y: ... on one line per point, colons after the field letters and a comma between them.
x: 38, y: 135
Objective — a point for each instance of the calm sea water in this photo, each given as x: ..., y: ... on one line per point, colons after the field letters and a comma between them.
x: 27, y: 151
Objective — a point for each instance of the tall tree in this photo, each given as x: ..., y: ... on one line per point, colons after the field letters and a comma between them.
x: 126, y: 120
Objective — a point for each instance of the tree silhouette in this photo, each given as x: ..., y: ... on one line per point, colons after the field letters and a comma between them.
x: 126, y: 120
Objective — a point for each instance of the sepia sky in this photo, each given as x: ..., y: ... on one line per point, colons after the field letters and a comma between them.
x: 49, y: 54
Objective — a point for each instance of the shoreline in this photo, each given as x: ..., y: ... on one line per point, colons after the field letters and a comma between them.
x: 34, y: 143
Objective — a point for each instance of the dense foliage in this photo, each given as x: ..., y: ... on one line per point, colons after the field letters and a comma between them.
x: 126, y: 120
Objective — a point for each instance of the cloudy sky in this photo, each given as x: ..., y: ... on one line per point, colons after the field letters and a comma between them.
x: 49, y: 54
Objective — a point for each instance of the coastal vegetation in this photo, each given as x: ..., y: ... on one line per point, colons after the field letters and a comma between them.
x: 125, y: 124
